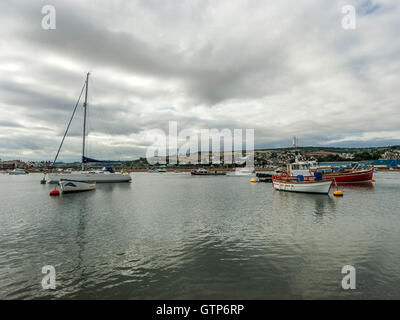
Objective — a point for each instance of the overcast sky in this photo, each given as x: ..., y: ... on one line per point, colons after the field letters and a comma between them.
x: 283, y: 67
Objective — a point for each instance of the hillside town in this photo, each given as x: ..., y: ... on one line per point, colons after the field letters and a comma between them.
x: 262, y: 159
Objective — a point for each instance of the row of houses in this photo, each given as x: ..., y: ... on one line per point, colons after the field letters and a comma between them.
x: 13, y: 164
x: 391, y: 154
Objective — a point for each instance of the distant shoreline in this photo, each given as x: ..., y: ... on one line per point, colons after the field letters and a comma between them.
x: 172, y: 170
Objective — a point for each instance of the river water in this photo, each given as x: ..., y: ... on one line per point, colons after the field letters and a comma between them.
x: 174, y: 236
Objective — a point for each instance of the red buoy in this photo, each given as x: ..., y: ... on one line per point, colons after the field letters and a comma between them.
x: 54, y: 192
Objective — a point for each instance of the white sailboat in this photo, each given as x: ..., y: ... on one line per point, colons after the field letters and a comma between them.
x: 105, y: 175
x: 95, y: 175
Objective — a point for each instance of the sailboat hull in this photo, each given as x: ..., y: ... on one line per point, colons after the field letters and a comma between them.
x: 99, y: 177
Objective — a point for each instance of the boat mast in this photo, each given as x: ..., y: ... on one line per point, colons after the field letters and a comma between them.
x: 84, y: 120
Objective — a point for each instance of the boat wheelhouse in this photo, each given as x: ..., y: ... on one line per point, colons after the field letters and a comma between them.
x: 304, y: 168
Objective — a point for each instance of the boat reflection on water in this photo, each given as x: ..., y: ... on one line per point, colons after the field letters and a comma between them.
x: 306, y: 202
x: 324, y: 204
x: 356, y: 186
x: 113, y: 187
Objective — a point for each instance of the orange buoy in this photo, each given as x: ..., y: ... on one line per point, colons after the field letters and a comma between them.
x: 54, y: 192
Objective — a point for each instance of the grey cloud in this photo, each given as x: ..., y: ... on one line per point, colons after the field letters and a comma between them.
x: 211, y: 74
x: 282, y: 68
x: 12, y: 124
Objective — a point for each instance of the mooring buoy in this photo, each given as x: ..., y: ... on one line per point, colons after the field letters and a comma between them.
x: 54, y: 192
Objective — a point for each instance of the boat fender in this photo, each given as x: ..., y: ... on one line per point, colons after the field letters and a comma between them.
x: 284, y: 175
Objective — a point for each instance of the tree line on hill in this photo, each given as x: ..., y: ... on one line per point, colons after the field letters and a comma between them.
x: 361, y: 156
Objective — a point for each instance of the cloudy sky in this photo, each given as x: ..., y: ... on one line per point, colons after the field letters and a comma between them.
x: 283, y: 67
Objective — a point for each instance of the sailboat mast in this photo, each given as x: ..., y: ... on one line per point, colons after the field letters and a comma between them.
x: 84, y: 120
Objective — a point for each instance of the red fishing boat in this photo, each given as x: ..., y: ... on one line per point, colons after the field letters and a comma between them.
x: 351, y: 176
x: 307, y: 169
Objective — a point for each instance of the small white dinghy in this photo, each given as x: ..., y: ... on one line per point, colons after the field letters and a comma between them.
x: 18, y: 171
x: 322, y: 186
x: 244, y: 172
x: 76, y: 185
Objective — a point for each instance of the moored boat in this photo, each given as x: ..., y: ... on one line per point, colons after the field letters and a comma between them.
x: 204, y: 172
x: 353, y: 176
x: 264, y: 176
x: 18, y: 171
x: 341, y: 175
x: 76, y: 185
x: 105, y: 175
x: 160, y: 170
x: 320, y: 186
x: 244, y: 171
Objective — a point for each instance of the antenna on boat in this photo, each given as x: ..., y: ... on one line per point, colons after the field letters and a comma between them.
x: 294, y: 142
x: 84, y: 120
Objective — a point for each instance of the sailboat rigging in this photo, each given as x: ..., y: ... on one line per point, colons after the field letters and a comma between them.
x: 84, y: 120
x: 105, y: 175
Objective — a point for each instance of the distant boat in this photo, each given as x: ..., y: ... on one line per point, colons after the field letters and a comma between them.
x: 244, y: 171
x: 18, y: 171
x: 264, y: 176
x: 76, y: 185
x: 105, y: 175
x: 156, y: 170
x: 204, y: 172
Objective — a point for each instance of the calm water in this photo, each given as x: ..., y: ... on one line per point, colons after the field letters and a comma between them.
x: 175, y: 236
